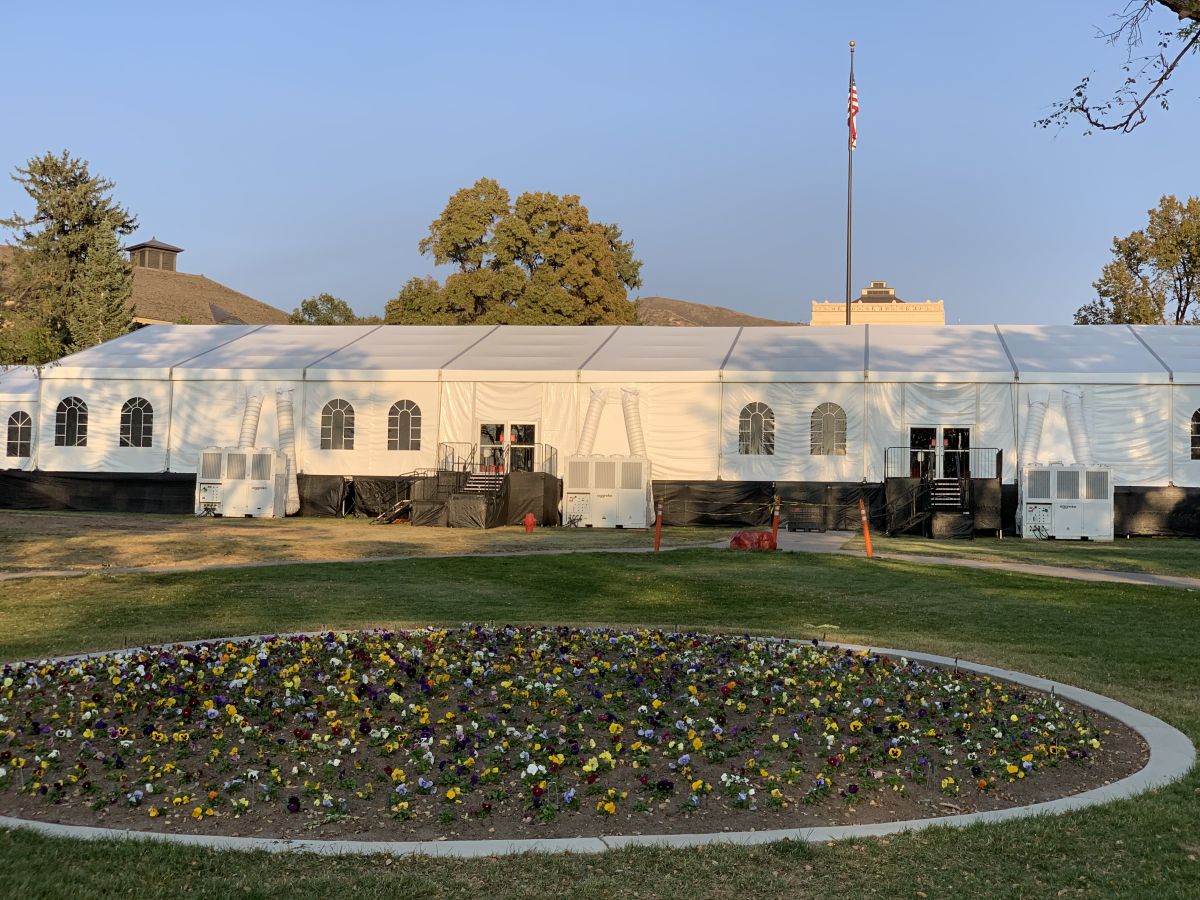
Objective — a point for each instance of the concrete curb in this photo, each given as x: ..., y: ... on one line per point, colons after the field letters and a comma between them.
x: 1171, y: 757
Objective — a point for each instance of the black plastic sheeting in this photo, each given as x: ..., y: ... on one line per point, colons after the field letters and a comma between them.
x: 375, y: 496
x: 1157, y: 511
x: 520, y: 493
x: 473, y: 510
x: 430, y: 512
x: 530, y: 492
x: 715, y: 502
x: 322, y: 495
x: 144, y: 492
x: 731, y: 503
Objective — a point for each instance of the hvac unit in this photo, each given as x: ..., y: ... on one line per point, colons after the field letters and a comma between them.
x: 607, y: 491
x: 1067, y: 503
x: 250, y: 482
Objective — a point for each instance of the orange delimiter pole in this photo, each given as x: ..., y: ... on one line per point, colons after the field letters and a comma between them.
x: 775, y: 526
x: 862, y: 514
x: 657, y: 525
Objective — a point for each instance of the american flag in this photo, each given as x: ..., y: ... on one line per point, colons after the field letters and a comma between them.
x: 852, y: 113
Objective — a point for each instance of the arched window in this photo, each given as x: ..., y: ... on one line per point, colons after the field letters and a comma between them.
x: 337, y: 426
x: 20, y: 433
x: 70, y: 423
x: 756, y: 430
x: 828, y: 431
x: 1196, y: 434
x: 137, y: 423
x: 404, y: 426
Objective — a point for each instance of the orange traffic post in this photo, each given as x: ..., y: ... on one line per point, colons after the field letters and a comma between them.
x: 862, y: 514
x: 775, y: 526
x: 657, y: 525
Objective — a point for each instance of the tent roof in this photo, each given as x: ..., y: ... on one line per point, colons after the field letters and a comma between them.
x: 937, y: 353
x: 148, y: 353
x: 1095, y: 354
x: 548, y: 354
x: 1177, y: 347
x: 272, y: 353
x: 950, y: 353
x: 641, y: 353
x: 394, y: 353
x: 18, y: 383
x: 797, y: 354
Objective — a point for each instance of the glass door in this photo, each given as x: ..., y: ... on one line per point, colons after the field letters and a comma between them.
x: 940, y: 451
x: 507, y: 447
x: 491, y: 447
x: 522, y: 448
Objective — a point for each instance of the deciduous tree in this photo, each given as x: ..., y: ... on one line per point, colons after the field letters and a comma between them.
x: 1154, y: 275
x: 326, y: 309
x: 538, y: 261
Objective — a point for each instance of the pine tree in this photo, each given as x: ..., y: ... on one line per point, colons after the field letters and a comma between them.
x: 70, y: 273
x: 99, y: 310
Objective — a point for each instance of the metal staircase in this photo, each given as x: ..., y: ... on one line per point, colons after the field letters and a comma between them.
x: 483, y: 483
x: 946, y: 493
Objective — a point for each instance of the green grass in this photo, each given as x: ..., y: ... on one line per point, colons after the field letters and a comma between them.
x: 1158, y: 556
x: 1137, y: 644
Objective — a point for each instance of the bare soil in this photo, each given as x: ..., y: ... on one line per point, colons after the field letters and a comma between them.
x: 51, y: 541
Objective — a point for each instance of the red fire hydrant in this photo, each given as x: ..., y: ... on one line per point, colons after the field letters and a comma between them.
x: 529, y: 521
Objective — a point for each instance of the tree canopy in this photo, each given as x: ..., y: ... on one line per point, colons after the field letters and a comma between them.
x: 538, y: 261
x: 326, y: 309
x: 68, y: 285
x: 1154, y: 275
x: 1144, y: 78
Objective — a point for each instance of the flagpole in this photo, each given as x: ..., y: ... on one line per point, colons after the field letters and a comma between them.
x: 850, y: 182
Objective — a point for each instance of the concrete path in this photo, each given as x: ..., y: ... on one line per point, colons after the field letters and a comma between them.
x: 831, y: 542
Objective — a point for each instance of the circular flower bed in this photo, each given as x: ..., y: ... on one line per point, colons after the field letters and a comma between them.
x: 475, y: 731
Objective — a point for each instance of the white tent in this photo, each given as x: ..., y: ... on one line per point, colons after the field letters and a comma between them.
x: 1125, y: 396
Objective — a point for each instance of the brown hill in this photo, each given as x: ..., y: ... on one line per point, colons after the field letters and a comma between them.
x: 665, y: 311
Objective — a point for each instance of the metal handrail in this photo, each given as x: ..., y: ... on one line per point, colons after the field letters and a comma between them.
x: 977, y: 462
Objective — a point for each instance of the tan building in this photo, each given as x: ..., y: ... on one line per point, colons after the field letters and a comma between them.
x: 879, y: 305
x: 162, y: 295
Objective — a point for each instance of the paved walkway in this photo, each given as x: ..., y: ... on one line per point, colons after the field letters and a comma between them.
x: 831, y: 542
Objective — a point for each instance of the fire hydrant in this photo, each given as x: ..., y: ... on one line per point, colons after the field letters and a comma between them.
x: 529, y: 521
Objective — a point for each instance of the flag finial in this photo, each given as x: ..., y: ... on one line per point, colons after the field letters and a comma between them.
x: 852, y: 43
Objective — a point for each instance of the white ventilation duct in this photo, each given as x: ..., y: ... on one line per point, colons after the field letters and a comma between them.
x: 633, y: 422
x: 287, y: 445
x: 249, y: 434
x: 1081, y: 441
x: 591, y: 422
x: 1034, y: 423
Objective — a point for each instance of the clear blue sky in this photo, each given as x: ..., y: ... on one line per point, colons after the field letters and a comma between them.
x: 297, y: 148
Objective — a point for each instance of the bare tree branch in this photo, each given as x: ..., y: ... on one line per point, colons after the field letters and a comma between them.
x: 1146, y: 77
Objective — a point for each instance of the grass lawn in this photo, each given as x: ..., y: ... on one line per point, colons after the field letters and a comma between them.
x: 1137, y: 644
x: 1158, y: 556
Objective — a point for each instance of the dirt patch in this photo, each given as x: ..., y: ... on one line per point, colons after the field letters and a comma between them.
x: 43, y: 541
x: 552, y: 732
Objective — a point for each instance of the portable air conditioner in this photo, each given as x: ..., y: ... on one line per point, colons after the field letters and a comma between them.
x: 607, y: 491
x: 1067, y: 503
x: 248, y: 482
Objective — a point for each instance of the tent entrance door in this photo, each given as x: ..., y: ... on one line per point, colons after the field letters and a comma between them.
x: 507, y: 447
x: 940, y: 451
